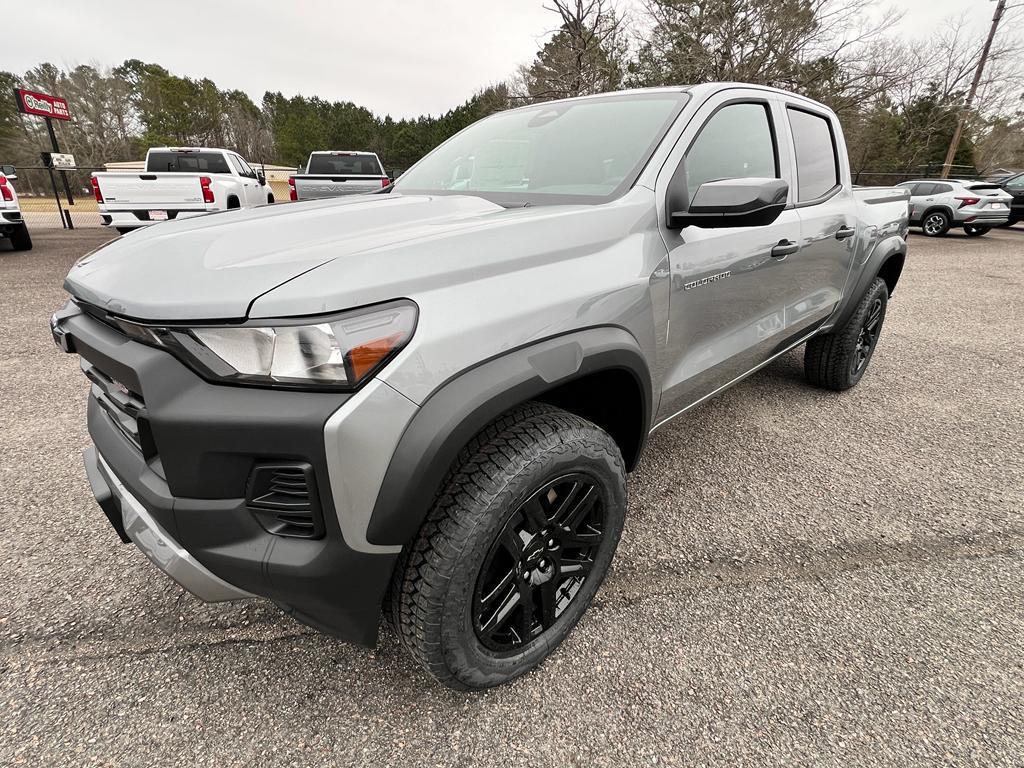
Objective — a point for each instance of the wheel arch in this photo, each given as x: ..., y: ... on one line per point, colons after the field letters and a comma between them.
x: 600, y: 374
x: 891, y: 270
x: 945, y: 209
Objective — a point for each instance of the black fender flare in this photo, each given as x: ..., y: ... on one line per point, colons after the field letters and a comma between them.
x: 466, y: 403
x: 893, y: 247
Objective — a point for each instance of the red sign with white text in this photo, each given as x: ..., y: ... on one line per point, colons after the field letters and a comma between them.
x: 42, y: 104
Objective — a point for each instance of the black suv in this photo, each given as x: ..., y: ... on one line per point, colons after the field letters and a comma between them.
x: 1015, y: 186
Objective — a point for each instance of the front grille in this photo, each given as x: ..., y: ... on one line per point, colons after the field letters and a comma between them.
x: 283, y: 498
x: 126, y: 409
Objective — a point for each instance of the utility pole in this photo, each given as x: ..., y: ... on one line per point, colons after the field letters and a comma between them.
x: 954, y: 143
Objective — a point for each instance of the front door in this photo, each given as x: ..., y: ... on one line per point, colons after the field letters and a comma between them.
x: 727, y: 305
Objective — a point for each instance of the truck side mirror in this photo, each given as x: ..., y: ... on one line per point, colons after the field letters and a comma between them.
x: 745, y: 202
x: 9, y: 171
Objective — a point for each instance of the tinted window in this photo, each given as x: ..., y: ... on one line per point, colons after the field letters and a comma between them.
x: 817, y: 167
x: 356, y: 165
x: 924, y: 189
x: 245, y: 169
x: 1016, y: 184
x: 941, y: 189
x: 587, y: 151
x: 736, y: 142
x: 186, y: 162
x: 986, y: 189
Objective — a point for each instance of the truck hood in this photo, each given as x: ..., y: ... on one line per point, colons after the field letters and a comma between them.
x: 215, y: 267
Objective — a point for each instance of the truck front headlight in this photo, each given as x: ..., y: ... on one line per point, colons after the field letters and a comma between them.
x: 335, y: 352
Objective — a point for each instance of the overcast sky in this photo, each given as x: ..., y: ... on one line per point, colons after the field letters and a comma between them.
x: 402, y: 57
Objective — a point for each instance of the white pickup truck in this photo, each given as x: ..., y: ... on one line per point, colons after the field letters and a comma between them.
x: 179, y: 182
x: 12, y: 225
x: 338, y: 173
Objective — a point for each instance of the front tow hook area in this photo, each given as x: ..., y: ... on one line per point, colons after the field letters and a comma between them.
x: 104, y: 497
x: 134, y: 523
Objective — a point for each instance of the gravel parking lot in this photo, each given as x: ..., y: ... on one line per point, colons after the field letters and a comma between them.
x: 805, y: 579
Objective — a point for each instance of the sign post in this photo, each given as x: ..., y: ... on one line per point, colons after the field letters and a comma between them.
x: 49, y: 108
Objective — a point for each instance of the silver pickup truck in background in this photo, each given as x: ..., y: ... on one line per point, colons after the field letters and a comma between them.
x: 336, y: 174
x: 427, y: 400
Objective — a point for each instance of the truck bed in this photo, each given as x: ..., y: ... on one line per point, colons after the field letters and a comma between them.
x: 314, y: 186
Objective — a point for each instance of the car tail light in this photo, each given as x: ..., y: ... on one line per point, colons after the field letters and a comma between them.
x: 292, y: 194
x: 204, y: 182
x: 96, y: 190
x: 384, y: 182
x: 5, y: 190
x: 968, y: 201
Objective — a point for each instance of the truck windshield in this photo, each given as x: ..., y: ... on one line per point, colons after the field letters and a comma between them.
x: 585, y: 151
x: 187, y: 162
x: 351, y: 165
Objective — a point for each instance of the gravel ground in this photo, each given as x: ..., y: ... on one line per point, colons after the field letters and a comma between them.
x: 805, y: 579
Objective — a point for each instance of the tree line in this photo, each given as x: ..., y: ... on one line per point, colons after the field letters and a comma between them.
x: 898, y: 99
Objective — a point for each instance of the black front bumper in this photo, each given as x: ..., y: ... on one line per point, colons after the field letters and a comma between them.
x: 187, y: 465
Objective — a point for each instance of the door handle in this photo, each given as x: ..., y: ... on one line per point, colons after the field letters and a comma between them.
x: 784, y: 248
x: 844, y: 232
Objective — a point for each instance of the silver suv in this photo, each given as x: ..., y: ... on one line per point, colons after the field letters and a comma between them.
x: 937, y: 205
x: 426, y: 400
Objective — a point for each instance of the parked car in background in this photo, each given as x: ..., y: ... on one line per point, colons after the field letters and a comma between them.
x: 938, y: 205
x: 1014, y: 186
x: 434, y: 393
x: 178, y: 183
x: 338, y: 173
x: 12, y: 223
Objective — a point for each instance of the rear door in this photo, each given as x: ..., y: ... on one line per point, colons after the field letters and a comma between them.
x: 727, y: 308
x: 1015, y: 187
x: 828, y: 218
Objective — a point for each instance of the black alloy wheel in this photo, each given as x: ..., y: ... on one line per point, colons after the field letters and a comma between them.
x: 868, y: 337
x: 538, y: 562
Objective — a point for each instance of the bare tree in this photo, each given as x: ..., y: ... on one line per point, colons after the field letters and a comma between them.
x: 587, y: 53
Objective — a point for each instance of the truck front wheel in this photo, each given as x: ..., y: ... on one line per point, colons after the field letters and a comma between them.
x: 837, y: 360
x: 518, y: 541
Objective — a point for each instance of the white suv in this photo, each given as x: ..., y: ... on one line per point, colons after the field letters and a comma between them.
x: 936, y: 205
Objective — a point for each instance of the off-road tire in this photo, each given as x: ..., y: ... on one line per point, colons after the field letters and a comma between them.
x: 435, y: 582
x: 975, y: 231
x: 125, y: 230
x: 20, y: 238
x: 270, y: 199
x: 831, y: 360
x: 935, y: 224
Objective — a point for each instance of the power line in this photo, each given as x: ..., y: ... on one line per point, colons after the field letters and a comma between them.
x: 954, y: 143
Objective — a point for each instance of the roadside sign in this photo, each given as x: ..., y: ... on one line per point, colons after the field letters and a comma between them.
x: 42, y: 104
x: 62, y: 162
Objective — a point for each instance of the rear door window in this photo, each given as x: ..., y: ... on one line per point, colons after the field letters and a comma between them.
x: 345, y: 165
x: 817, y: 163
x: 187, y: 162
x: 923, y: 190
x: 941, y: 189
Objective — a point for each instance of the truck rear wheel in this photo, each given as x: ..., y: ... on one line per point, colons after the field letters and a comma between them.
x: 518, y: 541
x: 21, y: 240
x: 837, y: 360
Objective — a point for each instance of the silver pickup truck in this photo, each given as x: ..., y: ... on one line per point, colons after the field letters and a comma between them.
x: 336, y: 174
x: 428, y: 399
